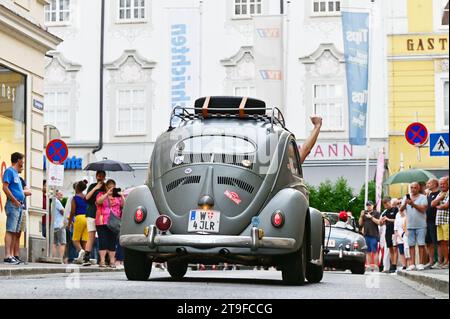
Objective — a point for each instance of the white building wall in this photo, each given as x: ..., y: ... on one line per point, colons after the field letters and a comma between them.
x: 139, y: 54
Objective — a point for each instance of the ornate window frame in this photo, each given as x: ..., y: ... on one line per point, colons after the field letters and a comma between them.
x: 240, y: 70
x: 129, y: 72
x: 325, y: 66
x: 61, y: 76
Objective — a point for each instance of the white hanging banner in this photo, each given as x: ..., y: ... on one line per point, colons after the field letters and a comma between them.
x: 268, y: 51
x: 184, y: 35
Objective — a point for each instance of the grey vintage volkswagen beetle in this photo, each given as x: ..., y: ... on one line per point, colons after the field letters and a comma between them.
x: 224, y: 185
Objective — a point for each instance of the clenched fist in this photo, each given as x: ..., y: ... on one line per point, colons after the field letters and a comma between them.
x: 316, y: 121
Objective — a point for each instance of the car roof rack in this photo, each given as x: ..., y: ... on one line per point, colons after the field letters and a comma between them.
x: 257, y: 111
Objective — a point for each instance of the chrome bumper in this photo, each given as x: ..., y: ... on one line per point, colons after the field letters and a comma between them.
x: 345, y: 253
x: 253, y: 242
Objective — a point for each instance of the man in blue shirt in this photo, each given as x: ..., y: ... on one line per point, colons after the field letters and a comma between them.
x: 12, y: 186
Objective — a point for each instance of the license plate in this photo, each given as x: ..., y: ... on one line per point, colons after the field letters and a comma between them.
x: 331, y: 243
x: 204, y: 221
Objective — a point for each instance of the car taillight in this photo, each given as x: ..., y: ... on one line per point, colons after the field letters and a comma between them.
x: 140, y: 214
x: 163, y: 223
x: 278, y: 219
x: 355, y: 245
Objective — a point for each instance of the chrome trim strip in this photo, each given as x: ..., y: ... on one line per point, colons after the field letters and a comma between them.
x: 205, y: 241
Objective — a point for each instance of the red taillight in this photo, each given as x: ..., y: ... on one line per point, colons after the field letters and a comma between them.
x: 355, y: 245
x: 278, y: 219
x: 140, y: 214
x: 163, y: 223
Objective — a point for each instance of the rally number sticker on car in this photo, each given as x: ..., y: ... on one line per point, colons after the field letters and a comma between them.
x: 204, y: 221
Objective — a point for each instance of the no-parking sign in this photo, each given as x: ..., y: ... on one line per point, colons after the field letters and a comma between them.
x: 56, y: 151
x: 416, y: 134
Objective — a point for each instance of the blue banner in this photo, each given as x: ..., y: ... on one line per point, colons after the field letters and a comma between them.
x: 355, y: 26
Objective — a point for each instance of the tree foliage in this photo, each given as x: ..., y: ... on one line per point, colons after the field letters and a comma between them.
x: 336, y: 197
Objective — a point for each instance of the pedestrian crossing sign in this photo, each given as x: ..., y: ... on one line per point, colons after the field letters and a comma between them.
x: 439, y: 144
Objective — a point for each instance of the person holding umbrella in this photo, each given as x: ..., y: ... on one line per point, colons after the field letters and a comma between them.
x: 93, y: 190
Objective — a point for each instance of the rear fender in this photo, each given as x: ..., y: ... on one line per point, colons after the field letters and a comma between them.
x: 294, y: 206
x: 138, y: 197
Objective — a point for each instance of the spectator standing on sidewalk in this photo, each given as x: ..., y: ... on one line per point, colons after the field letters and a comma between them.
x: 59, y: 238
x: 78, y: 218
x: 91, y: 196
x: 431, y: 237
x: 389, y: 219
x: 415, y: 205
x: 369, y: 219
x: 441, y: 203
x: 15, y: 197
x: 23, y: 224
x: 108, y: 204
x: 400, y: 236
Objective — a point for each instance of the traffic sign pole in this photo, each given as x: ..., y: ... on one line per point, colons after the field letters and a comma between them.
x: 56, y: 152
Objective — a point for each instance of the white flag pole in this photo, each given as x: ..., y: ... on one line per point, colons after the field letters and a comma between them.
x: 366, y: 186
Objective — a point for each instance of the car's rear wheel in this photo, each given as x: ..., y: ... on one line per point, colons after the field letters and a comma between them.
x: 359, y: 269
x: 314, y: 273
x: 177, y: 269
x: 137, y: 265
x: 294, y: 270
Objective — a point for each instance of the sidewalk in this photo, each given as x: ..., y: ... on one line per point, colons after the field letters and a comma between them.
x: 435, y: 278
x: 45, y: 269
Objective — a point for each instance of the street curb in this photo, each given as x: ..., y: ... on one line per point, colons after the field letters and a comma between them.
x: 11, y: 272
x: 433, y: 282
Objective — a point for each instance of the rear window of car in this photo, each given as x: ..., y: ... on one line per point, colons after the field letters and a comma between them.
x: 215, y: 144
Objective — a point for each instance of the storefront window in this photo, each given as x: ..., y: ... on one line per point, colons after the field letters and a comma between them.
x: 12, y: 120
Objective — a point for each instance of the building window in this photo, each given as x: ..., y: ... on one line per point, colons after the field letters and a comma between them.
x: 131, y: 10
x: 57, y: 111
x: 444, y: 21
x: 248, y: 91
x: 326, y: 7
x: 243, y: 8
x: 445, y: 106
x: 58, y: 11
x: 328, y: 103
x: 131, y: 112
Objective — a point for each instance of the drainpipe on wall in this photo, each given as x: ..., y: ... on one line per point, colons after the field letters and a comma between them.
x: 102, y: 45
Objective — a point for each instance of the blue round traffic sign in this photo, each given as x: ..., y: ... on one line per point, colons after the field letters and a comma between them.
x: 56, y: 151
x: 416, y: 134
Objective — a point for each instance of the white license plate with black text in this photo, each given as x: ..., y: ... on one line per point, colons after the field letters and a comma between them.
x: 204, y: 221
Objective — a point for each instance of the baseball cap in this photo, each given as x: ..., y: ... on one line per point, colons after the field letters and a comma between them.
x: 369, y: 202
x: 343, y: 216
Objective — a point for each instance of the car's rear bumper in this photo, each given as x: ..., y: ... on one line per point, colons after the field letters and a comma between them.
x: 153, y: 240
x: 337, y: 258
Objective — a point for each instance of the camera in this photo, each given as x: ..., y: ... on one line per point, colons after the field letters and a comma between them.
x: 116, y: 192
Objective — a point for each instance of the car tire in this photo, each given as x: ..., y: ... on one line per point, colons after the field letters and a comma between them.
x: 177, y: 269
x: 358, y: 270
x: 294, y: 270
x: 137, y: 265
x: 314, y: 273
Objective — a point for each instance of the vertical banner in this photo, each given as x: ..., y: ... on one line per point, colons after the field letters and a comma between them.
x: 355, y: 26
x: 268, y: 51
x: 184, y: 35
x: 379, y: 179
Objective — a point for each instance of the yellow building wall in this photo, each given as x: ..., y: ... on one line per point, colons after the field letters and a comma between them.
x: 420, y: 16
x: 411, y: 99
x: 411, y: 94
